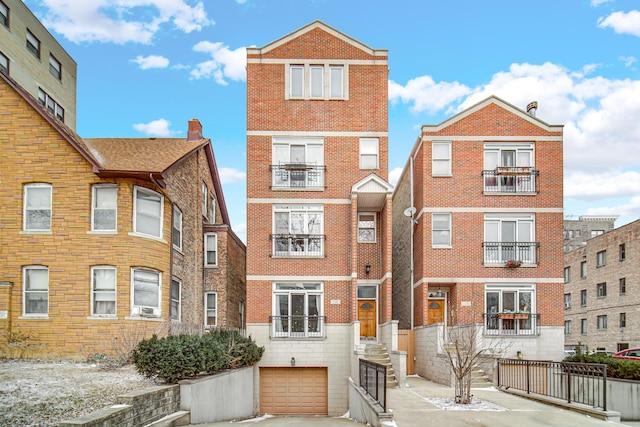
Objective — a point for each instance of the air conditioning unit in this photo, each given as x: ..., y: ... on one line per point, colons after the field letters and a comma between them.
x: 567, y: 305
x: 147, y: 312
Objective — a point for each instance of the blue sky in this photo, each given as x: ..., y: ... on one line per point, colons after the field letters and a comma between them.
x: 145, y: 67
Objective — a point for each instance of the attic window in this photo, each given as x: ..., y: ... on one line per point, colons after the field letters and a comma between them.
x: 316, y: 81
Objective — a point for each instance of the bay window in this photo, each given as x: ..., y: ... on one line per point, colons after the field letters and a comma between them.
x: 145, y: 292
x: 148, y: 212
x: 298, y: 310
x: 297, y: 230
x: 175, y: 307
x: 103, y: 291
x: 104, y: 208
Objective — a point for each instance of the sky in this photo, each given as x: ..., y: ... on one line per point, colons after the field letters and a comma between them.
x: 145, y: 67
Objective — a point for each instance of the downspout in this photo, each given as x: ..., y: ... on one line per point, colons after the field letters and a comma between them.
x: 412, y: 224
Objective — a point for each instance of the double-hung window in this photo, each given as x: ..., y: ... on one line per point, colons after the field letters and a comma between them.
x: 367, y: 227
x: 623, y: 286
x: 441, y: 158
x: 50, y: 104
x: 567, y: 274
x: 210, y: 309
x: 176, y: 229
x: 145, y: 292
x: 583, y: 298
x: 37, y: 207
x: 33, y: 44
x: 567, y: 327
x: 298, y: 310
x: 622, y: 252
x: 4, y: 14
x: 210, y: 250
x: 4, y: 63
x: 583, y: 270
x: 212, y: 209
x: 35, y: 291
x: 441, y: 230
x: 369, y: 153
x: 175, y: 307
x: 601, y: 258
x: 508, y: 167
x: 602, y: 321
x: 567, y: 301
x: 509, y: 237
x: 297, y: 163
x: 104, y: 208
x: 148, y: 212
x: 55, y: 68
x: 602, y: 290
x: 103, y: 291
x: 298, y: 230
x: 316, y: 81
x: 583, y: 326
x: 205, y: 197
x: 623, y: 320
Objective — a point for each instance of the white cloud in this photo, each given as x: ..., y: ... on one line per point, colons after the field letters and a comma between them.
x: 159, y: 128
x: 394, y: 175
x: 108, y: 21
x: 427, y: 95
x: 224, y: 63
x: 628, y: 60
x: 151, y: 61
x: 231, y: 175
x: 622, y: 22
x: 592, y: 186
x: 596, y: 3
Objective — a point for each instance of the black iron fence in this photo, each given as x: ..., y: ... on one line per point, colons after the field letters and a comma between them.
x: 584, y: 383
x: 373, y: 379
x: 510, y: 180
x: 302, y: 245
x: 499, y: 253
x: 297, y: 175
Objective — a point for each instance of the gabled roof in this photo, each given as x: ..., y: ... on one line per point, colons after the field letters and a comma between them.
x: 311, y: 26
x: 372, y: 192
x: 501, y: 103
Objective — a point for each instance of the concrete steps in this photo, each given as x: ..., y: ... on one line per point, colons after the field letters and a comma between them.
x: 479, y: 378
x: 376, y: 352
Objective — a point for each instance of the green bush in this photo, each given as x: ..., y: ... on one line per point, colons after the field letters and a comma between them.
x: 616, y: 368
x: 177, y: 357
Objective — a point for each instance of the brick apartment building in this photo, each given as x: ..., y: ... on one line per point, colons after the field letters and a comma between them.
x: 480, y: 189
x: 578, y: 231
x: 36, y: 61
x: 318, y: 215
x: 105, y: 241
x: 601, y: 298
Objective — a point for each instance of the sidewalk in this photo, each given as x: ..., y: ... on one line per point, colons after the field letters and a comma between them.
x: 417, y: 403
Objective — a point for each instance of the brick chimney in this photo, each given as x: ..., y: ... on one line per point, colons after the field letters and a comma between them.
x: 194, y: 132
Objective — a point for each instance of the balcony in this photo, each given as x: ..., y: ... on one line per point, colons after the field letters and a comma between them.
x: 297, y: 326
x: 298, y: 245
x: 498, y: 253
x: 297, y: 176
x: 516, y: 180
x: 511, y: 324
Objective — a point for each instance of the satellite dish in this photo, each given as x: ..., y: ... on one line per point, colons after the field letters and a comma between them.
x: 409, y: 211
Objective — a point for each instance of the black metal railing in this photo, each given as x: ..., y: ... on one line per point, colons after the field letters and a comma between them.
x: 498, y: 253
x: 584, y: 383
x: 299, y: 245
x: 510, y: 180
x: 373, y: 379
x: 297, y: 175
x: 297, y: 326
x: 511, y: 324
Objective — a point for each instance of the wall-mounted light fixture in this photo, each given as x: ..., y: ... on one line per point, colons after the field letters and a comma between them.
x: 367, y: 269
x: 519, y: 354
x: 293, y: 361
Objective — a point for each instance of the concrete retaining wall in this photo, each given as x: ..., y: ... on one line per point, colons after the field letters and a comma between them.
x: 364, y: 409
x: 624, y: 396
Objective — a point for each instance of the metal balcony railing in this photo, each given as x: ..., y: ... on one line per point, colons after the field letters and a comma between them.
x: 298, y: 245
x: 510, y: 180
x: 297, y: 175
x: 511, y: 324
x: 498, y: 253
x: 297, y: 326
x: 373, y: 379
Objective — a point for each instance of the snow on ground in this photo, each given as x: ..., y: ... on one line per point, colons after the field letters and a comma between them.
x: 449, y: 404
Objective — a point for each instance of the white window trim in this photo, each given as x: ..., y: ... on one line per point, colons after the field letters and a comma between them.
x: 35, y: 42
x: 447, y: 159
x: 93, y: 291
x: 205, y: 199
x: 499, y: 287
x: 138, y: 311
x: 362, y: 153
x: 177, y: 213
x: 206, y: 309
x: 281, y: 208
x: 300, y: 288
x: 206, y: 249
x: 179, y: 300
x: 326, y: 79
x: 24, y: 292
x: 375, y: 227
x: 512, y: 146
x: 433, y: 244
x: 93, y: 209
x: 24, y: 209
x: 135, y: 232
x: 212, y: 209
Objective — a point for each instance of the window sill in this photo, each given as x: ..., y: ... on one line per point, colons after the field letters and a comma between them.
x: 442, y: 247
x: 34, y: 317
x: 365, y: 241
x: 28, y: 232
x: 148, y: 236
x: 211, y: 266
x: 297, y: 257
x: 294, y: 189
x: 107, y: 232
x: 148, y: 319
x: 102, y: 317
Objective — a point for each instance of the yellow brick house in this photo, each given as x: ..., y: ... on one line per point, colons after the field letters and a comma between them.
x: 106, y: 241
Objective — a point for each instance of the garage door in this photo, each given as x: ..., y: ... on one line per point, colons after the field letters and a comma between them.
x: 293, y: 391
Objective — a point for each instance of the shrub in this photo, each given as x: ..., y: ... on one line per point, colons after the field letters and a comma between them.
x: 616, y: 368
x: 177, y: 357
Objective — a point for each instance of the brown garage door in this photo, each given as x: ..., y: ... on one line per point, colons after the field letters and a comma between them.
x: 293, y: 391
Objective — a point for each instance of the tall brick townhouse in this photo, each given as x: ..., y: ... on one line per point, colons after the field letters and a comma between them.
x: 318, y: 215
x: 477, y: 218
x: 105, y: 241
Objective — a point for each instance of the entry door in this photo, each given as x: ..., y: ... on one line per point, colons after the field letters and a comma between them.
x: 367, y: 318
x: 436, y: 312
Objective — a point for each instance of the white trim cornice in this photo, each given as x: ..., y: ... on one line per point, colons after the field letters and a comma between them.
x: 316, y: 133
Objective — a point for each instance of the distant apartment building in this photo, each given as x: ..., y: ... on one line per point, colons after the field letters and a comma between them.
x: 318, y: 215
x: 602, y: 291
x: 32, y: 57
x: 106, y: 241
x: 578, y: 231
x: 477, y: 220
